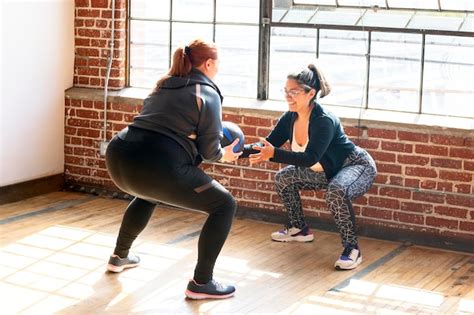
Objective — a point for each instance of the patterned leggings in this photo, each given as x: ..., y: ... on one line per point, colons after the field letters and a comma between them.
x: 352, y: 181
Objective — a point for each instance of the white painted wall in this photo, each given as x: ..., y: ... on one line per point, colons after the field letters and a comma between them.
x: 37, y: 65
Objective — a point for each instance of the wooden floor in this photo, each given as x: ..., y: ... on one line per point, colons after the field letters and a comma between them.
x: 54, y: 248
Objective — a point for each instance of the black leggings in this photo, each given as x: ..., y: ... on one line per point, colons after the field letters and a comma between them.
x: 155, y: 168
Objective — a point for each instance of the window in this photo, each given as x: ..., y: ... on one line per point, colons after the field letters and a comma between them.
x: 396, y: 55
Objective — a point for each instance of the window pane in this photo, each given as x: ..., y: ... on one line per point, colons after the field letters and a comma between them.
x: 291, y: 49
x: 387, y: 18
x: 362, y: 3
x: 457, y: 5
x: 395, y: 69
x: 298, y: 15
x: 336, y: 17
x: 149, y: 53
x: 320, y: 2
x: 184, y: 33
x: 244, y: 11
x: 414, y: 4
x: 150, y: 9
x: 448, y: 87
x: 343, y: 55
x: 238, y: 54
x: 436, y: 22
x: 193, y: 10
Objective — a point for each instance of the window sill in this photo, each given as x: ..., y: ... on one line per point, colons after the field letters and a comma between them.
x: 351, y: 115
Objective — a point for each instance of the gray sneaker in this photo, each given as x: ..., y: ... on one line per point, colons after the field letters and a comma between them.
x: 117, y: 264
x: 210, y: 290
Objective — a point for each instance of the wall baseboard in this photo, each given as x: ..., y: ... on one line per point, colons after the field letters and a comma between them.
x: 28, y: 189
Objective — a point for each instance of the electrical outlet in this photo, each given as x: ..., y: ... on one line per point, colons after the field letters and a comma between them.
x: 103, y: 147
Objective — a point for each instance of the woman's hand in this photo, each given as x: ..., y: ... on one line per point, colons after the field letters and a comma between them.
x: 228, y: 154
x: 266, y: 152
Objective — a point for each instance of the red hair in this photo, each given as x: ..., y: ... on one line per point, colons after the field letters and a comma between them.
x: 195, y: 54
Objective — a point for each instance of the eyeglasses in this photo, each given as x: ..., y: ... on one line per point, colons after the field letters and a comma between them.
x: 291, y: 93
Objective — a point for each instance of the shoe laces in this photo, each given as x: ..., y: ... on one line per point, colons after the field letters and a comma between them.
x: 347, y: 250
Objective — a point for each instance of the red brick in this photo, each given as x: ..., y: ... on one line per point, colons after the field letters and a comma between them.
x: 257, y: 122
x: 462, y: 201
x: 81, y: 3
x: 82, y: 42
x: 377, y: 213
x: 396, y: 180
x: 413, y: 159
x: 461, y: 153
x: 75, y: 160
x: 90, y: 133
x: 263, y: 132
x: 447, y: 140
x: 353, y: 131
x: 428, y: 184
x: 241, y: 183
x: 417, y: 207
x: 431, y: 150
x: 254, y: 174
x: 455, y: 176
x: 446, y: 163
x: 367, y: 143
x: 89, y: 52
x: 389, y: 168
x: 466, y: 226
x: 444, y: 186
x: 314, y: 204
x: 384, y: 202
x: 382, y: 133
x: 381, y: 179
x: 411, y: 136
x: 265, y: 186
x: 84, y: 113
x: 429, y: 197
x: 69, y: 169
x: 442, y: 223
x: 397, y: 147
x: 114, y: 116
x: 469, y: 166
x: 408, y: 217
x: 250, y: 131
x: 78, y: 122
x: 463, y: 188
x: 255, y: 195
x: 395, y: 192
x: 420, y: 172
x: 88, y: 13
x: 451, y: 212
x: 412, y: 182
x: 70, y: 131
x: 89, y: 22
x: 227, y: 170
x: 382, y: 156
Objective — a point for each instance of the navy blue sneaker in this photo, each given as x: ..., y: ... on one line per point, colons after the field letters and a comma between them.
x: 292, y: 234
x: 350, y: 258
x: 210, y: 290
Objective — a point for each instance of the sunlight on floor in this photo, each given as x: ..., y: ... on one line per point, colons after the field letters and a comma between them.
x: 62, y: 269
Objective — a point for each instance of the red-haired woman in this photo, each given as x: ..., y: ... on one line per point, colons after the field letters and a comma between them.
x: 156, y: 158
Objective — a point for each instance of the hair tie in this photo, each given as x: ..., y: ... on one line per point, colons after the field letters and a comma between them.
x: 187, y: 50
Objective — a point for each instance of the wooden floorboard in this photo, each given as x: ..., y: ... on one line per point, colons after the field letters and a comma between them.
x: 54, y: 249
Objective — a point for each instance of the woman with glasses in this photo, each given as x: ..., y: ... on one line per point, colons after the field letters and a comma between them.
x: 321, y: 157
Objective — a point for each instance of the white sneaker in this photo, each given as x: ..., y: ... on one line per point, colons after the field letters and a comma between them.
x: 350, y: 258
x: 293, y: 234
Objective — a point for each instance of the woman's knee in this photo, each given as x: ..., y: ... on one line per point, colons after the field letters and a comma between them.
x: 335, y: 190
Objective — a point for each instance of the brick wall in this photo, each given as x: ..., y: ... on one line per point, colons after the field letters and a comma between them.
x: 425, y: 183
x: 93, y: 21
